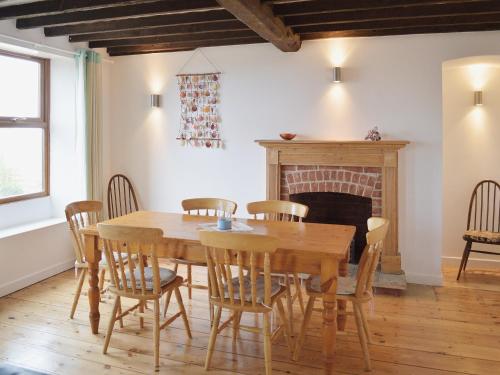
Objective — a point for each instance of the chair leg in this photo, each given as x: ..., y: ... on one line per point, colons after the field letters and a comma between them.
x: 213, y: 337
x: 141, y: 310
x: 167, y: 302
x: 267, y: 343
x: 289, y: 303
x: 210, y: 306
x: 78, y: 291
x: 189, y: 281
x: 284, y: 321
x: 362, y: 337
x: 365, y: 324
x: 111, y: 324
x: 119, y: 313
x: 156, y: 333
x: 305, y: 324
x: 298, y: 291
x: 178, y: 296
x: 465, y: 257
x: 102, y: 274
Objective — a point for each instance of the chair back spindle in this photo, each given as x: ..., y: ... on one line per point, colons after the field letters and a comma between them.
x: 484, y: 207
x: 224, y: 250
x: 121, y: 196
x: 368, y: 262
x: 120, y: 244
x: 79, y: 215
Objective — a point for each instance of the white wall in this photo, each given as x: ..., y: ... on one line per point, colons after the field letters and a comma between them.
x: 471, y: 149
x: 392, y: 82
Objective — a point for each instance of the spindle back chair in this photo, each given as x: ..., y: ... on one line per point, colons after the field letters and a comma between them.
x: 79, y: 215
x: 121, y: 196
x: 255, y: 292
x: 483, y: 220
x: 278, y: 210
x: 141, y: 283
x: 358, y: 291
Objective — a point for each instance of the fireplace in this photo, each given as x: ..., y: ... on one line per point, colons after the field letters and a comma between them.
x: 339, y: 208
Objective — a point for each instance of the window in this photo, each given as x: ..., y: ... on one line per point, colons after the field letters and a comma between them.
x: 24, y: 127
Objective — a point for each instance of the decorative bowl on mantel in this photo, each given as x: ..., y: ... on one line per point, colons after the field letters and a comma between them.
x: 287, y: 136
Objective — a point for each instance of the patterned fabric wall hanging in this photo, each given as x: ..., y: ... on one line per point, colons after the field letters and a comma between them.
x: 200, y: 120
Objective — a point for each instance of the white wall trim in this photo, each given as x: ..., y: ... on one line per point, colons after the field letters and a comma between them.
x: 473, y: 262
x: 35, y: 277
x: 424, y: 279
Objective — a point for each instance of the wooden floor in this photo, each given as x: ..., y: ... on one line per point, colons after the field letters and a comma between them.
x: 453, y: 329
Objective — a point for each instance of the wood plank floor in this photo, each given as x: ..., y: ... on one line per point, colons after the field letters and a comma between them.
x: 454, y: 329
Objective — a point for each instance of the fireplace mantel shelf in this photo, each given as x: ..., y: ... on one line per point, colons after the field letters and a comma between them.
x: 308, y: 142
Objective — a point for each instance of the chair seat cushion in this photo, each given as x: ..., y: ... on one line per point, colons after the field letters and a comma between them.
x: 482, y: 236
x: 346, y: 285
x: 166, y: 276
x: 275, y: 288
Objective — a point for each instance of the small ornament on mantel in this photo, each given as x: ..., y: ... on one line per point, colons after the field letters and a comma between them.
x: 373, y: 135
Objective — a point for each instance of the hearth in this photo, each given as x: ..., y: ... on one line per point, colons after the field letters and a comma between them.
x: 339, y: 208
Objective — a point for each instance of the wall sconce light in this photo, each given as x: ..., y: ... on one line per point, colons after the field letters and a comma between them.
x: 478, y: 98
x: 155, y: 100
x: 337, y: 74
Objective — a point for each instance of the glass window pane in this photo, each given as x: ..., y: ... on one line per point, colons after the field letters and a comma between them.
x: 19, y: 88
x: 21, y: 161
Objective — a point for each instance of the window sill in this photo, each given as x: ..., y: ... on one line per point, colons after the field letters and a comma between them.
x: 20, y: 229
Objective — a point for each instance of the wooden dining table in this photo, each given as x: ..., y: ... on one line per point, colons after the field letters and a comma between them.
x: 320, y: 249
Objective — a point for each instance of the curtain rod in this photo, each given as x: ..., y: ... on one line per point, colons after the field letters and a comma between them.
x: 44, y: 47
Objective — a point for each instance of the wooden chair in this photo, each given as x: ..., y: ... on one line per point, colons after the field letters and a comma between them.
x: 121, y: 196
x: 206, y: 207
x: 483, y: 221
x: 254, y: 293
x: 283, y: 211
x: 357, y: 290
x: 140, y: 283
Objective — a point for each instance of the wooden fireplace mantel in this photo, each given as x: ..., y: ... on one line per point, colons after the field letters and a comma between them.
x: 382, y: 154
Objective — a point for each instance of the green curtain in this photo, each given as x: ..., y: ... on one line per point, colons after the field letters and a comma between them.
x: 89, y: 63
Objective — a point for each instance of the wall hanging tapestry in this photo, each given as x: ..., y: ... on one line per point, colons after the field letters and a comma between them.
x: 200, y: 119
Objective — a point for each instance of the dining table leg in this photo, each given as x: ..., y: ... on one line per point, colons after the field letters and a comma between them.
x: 93, y: 257
x: 329, y: 279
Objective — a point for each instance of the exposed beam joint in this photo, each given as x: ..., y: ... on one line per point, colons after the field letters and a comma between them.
x: 260, y: 18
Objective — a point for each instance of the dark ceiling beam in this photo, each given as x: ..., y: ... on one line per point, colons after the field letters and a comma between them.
x: 231, y: 25
x: 429, y: 22
x: 421, y: 12
x: 426, y: 29
x: 321, y: 6
x: 140, y: 22
x: 167, y: 47
x: 43, y: 8
x: 117, y: 54
x: 119, y: 12
x: 260, y: 18
x: 201, y: 38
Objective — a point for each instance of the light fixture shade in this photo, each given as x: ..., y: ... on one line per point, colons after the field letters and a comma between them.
x: 478, y: 98
x: 155, y: 100
x: 337, y: 74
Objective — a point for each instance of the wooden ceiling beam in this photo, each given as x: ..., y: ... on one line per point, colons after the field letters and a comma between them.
x: 428, y: 22
x: 167, y: 47
x: 321, y: 6
x: 44, y: 8
x: 212, y: 36
x: 426, y: 29
x: 140, y: 22
x: 260, y: 18
x: 230, y: 25
x: 120, y: 12
x: 421, y: 12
